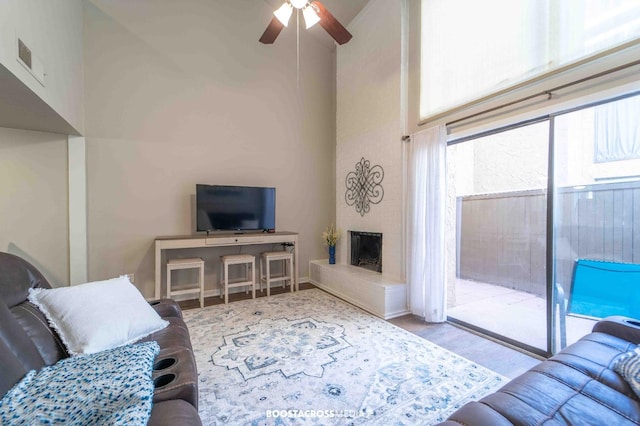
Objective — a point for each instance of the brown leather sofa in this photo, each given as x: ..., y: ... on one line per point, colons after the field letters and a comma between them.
x: 28, y: 343
x: 578, y: 386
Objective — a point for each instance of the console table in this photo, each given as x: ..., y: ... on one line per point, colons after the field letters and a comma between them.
x: 175, y: 242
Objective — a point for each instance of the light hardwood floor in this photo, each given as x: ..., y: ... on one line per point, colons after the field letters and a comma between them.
x: 495, y: 356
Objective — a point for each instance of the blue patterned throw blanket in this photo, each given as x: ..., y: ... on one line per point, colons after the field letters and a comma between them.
x: 112, y: 387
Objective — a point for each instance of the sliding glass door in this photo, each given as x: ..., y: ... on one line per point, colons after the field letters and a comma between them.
x: 498, y: 184
x: 537, y: 268
x: 596, y: 216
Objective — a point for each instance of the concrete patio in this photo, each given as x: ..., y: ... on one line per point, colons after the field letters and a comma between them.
x: 514, y: 314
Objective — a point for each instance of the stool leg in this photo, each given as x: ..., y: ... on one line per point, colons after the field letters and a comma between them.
x: 202, y: 287
x: 168, y: 283
x: 284, y: 271
x: 261, y: 272
x: 221, y: 279
x: 290, y: 275
x: 226, y: 283
x: 267, y: 277
x: 253, y: 284
x: 246, y: 274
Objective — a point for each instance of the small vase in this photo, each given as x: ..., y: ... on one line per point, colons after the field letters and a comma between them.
x: 332, y: 255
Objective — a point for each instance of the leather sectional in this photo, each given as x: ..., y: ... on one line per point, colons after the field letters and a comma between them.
x: 577, y: 386
x: 27, y: 342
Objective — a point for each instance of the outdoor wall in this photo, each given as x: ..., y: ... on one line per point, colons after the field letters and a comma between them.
x: 179, y: 93
x: 34, y: 201
x: 504, y: 162
x: 369, y: 125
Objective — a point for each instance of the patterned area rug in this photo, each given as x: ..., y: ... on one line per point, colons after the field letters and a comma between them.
x: 310, y: 358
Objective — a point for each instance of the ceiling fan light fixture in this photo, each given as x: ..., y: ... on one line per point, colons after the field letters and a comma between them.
x: 313, y: 12
x: 310, y: 16
x: 284, y: 13
x: 299, y: 4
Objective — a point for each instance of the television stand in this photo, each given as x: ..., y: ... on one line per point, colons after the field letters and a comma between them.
x: 176, y: 242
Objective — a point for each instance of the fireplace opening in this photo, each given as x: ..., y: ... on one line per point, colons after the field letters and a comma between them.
x: 366, y: 250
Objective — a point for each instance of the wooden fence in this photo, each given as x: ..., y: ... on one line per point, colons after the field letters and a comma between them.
x: 502, y: 237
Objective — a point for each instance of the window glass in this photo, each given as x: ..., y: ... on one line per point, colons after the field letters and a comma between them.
x: 471, y: 49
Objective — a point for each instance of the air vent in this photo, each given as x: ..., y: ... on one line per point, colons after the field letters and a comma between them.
x: 24, y: 53
x: 30, y: 62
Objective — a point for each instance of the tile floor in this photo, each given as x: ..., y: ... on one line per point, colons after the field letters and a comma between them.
x: 515, y: 314
x: 495, y: 356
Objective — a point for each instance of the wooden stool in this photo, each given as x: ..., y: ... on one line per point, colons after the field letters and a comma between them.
x: 192, y: 263
x: 250, y: 280
x: 265, y: 270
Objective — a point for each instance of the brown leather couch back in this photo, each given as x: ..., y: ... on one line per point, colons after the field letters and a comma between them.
x: 26, y: 340
x: 17, y: 276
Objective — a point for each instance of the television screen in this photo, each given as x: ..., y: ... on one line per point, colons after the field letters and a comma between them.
x: 235, y: 208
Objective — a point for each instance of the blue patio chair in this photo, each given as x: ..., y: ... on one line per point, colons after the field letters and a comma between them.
x: 599, y: 289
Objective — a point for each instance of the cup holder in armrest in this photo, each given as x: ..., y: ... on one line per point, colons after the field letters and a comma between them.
x: 175, y: 376
x: 633, y: 323
x: 164, y: 380
x: 164, y: 363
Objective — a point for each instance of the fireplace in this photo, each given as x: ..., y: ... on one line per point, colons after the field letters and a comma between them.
x: 366, y: 250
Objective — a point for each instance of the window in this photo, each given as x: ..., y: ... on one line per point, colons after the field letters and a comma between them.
x: 617, y: 131
x: 472, y: 49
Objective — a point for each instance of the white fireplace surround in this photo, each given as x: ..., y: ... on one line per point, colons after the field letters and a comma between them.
x: 372, y: 291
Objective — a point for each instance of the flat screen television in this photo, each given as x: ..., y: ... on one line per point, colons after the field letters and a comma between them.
x: 235, y: 208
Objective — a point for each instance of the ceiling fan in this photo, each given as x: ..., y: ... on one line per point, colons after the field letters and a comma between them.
x: 314, y: 12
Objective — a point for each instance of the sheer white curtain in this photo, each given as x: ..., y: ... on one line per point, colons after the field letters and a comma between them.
x: 426, y: 209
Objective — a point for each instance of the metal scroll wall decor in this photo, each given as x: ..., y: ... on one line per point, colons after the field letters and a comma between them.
x: 363, y: 186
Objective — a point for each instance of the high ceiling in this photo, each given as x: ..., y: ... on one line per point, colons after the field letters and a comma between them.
x: 343, y: 10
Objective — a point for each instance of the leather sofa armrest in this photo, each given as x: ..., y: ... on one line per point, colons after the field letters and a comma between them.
x: 174, y: 412
x: 175, y: 376
x: 166, y: 308
x: 623, y: 327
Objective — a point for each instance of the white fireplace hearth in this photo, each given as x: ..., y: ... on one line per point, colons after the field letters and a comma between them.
x: 375, y: 293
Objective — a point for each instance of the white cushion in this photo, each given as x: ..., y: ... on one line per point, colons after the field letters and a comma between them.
x: 97, y: 316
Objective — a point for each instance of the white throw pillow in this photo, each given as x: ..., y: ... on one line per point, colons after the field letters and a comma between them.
x: 97, y: 316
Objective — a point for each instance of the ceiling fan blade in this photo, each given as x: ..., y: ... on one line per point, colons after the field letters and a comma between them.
x: 331, y: 24
x: 272, y: 31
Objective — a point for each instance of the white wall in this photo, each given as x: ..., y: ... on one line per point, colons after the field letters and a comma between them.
x: 53, y: 32
x: 34, y: 202
x: 369, y: 124
x: 179, y: 93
